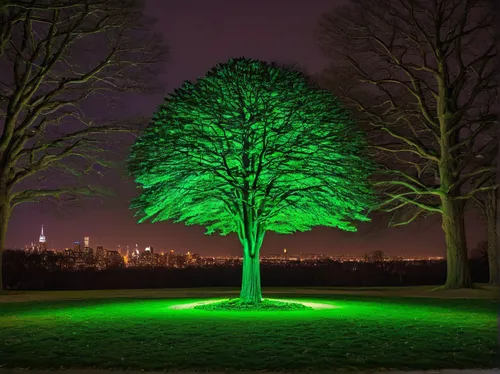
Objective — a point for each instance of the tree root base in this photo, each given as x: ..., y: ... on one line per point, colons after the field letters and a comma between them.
x: 264, y: 305
x: 445, y: 288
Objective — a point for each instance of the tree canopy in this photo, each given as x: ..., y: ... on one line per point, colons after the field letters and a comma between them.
x: 252, y: 146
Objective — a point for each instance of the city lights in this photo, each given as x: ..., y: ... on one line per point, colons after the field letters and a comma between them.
x: 80, y: 258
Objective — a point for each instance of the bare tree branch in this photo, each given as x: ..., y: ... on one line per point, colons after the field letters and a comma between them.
x: 60, y: 61
x: 423, y: 78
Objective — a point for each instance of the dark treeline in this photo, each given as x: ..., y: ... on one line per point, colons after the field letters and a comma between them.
x: 21, y: 274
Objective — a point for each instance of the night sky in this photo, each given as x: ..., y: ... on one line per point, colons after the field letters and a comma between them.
x: 201, y: 34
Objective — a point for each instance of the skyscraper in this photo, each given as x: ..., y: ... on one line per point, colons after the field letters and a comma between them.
x: 86, y: 242
x: 100, y: 257
x: 42, y: 241
x: 100, y: 251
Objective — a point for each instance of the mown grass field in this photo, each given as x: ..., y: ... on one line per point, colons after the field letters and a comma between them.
x: 367, y: 329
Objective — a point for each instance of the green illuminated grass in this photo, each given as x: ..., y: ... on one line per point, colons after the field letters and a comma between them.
x: 357, y: 333
x: 265, y: 306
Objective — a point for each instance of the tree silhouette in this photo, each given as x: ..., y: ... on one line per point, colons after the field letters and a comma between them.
x: 252, y: 147
x: 423, y: 77
x: 486, y: 203
x: 377, y: 256
x: 56, y: 57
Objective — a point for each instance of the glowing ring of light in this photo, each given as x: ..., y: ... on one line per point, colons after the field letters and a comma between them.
x: 308, y: 303
x: 192, y: 305
x: 311, y: 305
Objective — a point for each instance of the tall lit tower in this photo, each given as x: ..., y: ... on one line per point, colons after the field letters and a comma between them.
x: 42, y: 241
x: 86, y: 242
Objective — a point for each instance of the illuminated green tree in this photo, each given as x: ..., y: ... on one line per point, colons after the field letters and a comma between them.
x: 252, y: 147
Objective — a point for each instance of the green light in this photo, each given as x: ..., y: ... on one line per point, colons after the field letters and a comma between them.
x: 193, y: 305
x: 250, y: 148
x: 160, y: 334
x: 310, y: 304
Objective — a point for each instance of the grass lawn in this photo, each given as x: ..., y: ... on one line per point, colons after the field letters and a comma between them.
x: 141, y: 330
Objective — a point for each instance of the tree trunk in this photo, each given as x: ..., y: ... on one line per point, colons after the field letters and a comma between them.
x: 492, y: 252
x: 457, y: 261
x: 250, y: 283
x: 497, y: 205
x: 4, y: 223
x: 491, y: 213
x: 497, y: 221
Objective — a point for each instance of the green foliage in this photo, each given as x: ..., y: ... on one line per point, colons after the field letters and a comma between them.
x: 252, y: 144
x: 264, y: 305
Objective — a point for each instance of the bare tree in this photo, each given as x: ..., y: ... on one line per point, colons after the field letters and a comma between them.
x: 497, y: 180
x: 422, y: 75
x: 497, y: 204
x: 486, y: 202
x: 58, y: 60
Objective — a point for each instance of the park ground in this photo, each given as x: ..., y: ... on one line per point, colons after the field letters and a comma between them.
x: 400, y: 328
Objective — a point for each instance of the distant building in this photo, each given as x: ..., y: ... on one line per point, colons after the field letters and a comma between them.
x: 88, y: 255
x: 149, y: 259
x: 180, y: 261
x: 197, y: 259
x: 312, y: 256
x: 114, y: 259
x: 209, y: 261
x: 42, y: 241
x: 171, y: 259
x: 100, y: 257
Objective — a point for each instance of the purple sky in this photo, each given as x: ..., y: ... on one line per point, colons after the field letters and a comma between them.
x: 201, y: 34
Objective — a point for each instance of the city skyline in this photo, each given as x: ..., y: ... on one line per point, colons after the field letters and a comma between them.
x: 276, y: 244
x: 194, y: 50
x: 128, y: 252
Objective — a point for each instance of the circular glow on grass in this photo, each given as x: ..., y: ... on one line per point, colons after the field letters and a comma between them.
x: 306, y: 305
x: 195, y: 304
x: 309, y: 304
x: 266, y: 305
x: 443, y: 332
